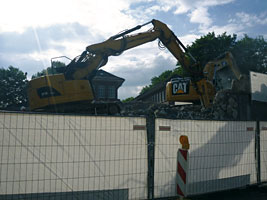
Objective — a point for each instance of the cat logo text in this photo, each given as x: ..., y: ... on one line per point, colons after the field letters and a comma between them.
x: 180, y: 87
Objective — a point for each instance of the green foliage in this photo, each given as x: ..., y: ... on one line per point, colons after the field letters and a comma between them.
x: 13, y: 85
x: 210, y: 46
x: 57, y: 67
x: 251, y: 54
x: 127, y: 99
x: 180, y: 71
x: 163, y: 77
x: 146, y: 88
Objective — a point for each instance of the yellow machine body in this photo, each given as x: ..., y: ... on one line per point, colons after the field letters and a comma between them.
x: 183, y: 90
x: 217, y: 75
x: 53, y: 90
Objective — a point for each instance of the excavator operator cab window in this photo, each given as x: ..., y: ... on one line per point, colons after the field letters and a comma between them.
x: 59, y: 64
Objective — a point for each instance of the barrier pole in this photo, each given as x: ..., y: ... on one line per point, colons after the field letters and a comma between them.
x: 182, y: 167
x: 150, y: 123
x: 258, y: 152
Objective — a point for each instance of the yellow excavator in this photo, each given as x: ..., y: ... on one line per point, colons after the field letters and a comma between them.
x: 218, y: 74
x: 73, y: 89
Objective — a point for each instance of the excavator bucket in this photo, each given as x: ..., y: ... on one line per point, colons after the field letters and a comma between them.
x: 222, y: 71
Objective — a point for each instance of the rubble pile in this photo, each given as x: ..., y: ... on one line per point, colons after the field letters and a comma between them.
x: 225, y: 107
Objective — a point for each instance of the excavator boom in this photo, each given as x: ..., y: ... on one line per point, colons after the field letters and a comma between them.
x: 96, y: 55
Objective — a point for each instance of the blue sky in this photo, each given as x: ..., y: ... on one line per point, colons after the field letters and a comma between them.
x: 34, y: 31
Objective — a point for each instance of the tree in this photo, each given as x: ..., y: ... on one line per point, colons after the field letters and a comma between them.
x: 210, y: 46
x: 146, y: 88
x: 164, y: 76
x: 251, y: 54
x: 13, y: 85
x: 57, y: 68
x: 180, y: 71
x: 128, y: 99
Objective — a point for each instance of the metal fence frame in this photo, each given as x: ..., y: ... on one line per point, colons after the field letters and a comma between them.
x: 150, y: 128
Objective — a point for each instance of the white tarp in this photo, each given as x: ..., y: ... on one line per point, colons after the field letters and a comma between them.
x: 258, y: 86
x: 263, y: 150
x: 60, y: 153
x: 221, y: 155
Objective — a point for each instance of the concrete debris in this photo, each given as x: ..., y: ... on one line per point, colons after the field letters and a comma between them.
x: 242, y: 85
x: 225, y: 107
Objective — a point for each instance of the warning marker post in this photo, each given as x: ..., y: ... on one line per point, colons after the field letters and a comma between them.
x: 182, y: 167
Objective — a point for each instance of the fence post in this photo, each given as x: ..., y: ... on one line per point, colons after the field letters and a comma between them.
x: 258, y: 152
x: 150, y: 124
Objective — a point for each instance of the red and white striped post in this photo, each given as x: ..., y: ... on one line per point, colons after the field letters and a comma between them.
x: 182, y: 167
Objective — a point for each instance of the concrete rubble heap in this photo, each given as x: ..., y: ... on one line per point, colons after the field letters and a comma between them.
x: 228, y: 104
x: 225, y: 107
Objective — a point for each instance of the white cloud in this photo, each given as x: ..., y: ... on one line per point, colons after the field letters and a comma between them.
x: 17, y: 15
x: 197, y: 10
x: 72, y: 48
x: 210, y: 3
x: 137, y: 66
x: 252, y: 19
x: 137, y: 59
x: 201, y: 16
x: 129, y: 91
x: 239, y: 23
x: 178, y: 6
x: 189, y: 38
x: 50, y: 20
x: 152, y: 10
x: 229, y: 29
x: 138, y: 73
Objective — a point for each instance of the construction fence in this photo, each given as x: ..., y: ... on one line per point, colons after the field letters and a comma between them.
x: 50, y: 156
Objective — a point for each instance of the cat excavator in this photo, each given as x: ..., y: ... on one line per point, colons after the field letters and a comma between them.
x: 218, y: 74
x: 72, y: 89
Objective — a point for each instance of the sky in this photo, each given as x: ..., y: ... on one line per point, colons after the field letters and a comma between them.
x: 34, y: 31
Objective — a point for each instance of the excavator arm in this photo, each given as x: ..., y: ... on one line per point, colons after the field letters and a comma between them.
x: 73, y: 86
x: 96, y: 55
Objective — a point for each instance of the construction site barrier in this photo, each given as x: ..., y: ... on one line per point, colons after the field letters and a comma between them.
x: 51, y: 156
x: 46, y: 156
x: 222, y: 155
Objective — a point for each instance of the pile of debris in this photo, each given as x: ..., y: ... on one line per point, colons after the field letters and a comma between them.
x: 225, y: 107
x: 228, y: 104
